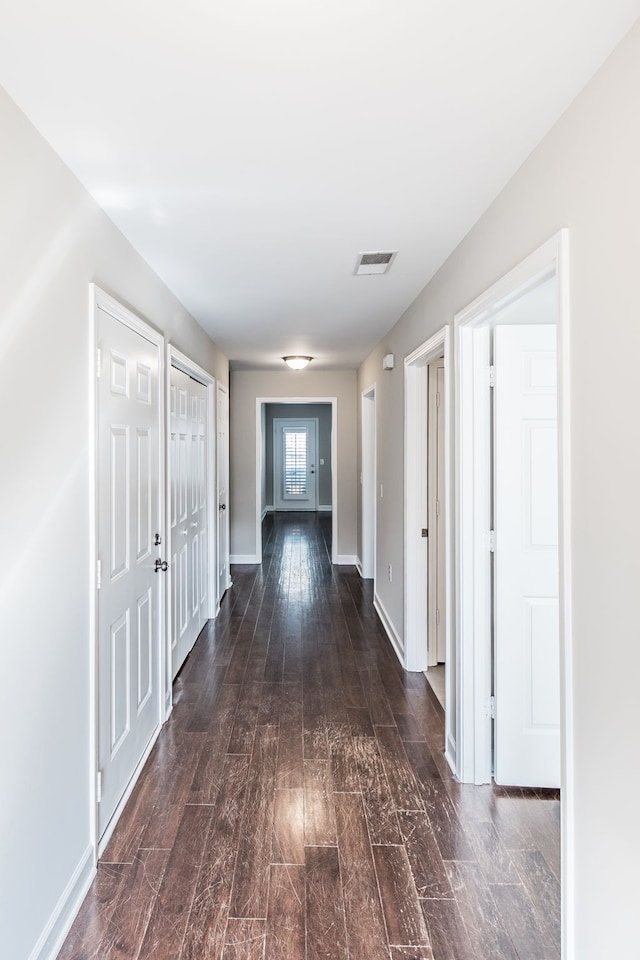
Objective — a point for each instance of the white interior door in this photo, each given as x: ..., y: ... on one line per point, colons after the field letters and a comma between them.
x: 436, y: 515
x: 295, y: 457
x: 130, y: 607
x: 189, y: 533
x: 222, y: 453
x: 180, y: 449
x: 526, y: 611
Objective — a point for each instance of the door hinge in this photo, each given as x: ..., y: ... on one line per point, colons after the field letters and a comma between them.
x: 492, y: 541
x: 98, y: 786
x: 492, y: 376
x: 437, y: 617
x: 490, y: 709
x: 437, y: 508
x: 98, y: 362
x: 437, y: 399
x: 98, y: 574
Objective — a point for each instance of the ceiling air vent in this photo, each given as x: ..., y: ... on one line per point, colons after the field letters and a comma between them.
x: 372, y: 263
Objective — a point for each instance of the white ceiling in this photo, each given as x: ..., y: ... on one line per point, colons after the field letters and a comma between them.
x: 250, y: 150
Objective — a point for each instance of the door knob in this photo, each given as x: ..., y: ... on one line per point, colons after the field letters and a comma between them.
x: 161, y: 565
x: 194, y: 524
x: 223, y: 506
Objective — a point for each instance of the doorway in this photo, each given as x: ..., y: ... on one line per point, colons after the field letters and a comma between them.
x: 368, y: 483
x: 430, y: 559
x: 474, y: 523
x: 436, y: 493
x: 325, y: 410
x: 223, y: 579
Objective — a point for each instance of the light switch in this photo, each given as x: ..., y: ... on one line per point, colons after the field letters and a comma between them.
x: 321, y: 462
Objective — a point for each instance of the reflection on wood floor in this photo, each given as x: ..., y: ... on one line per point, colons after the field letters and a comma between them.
x: 297, y: 804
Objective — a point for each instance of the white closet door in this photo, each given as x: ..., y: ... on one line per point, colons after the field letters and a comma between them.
x: 130, y: 591
x: 527, y: 655
x: 189, y: 530
x: 180, y: 453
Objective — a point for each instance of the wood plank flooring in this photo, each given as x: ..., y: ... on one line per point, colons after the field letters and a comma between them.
x: 297, y: 805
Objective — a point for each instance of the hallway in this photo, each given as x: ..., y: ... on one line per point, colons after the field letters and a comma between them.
x: 297, y: 804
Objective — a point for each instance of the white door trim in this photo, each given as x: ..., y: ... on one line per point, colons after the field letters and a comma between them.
x: 175, y: 358
x: 257, y: 558
x: 99, y: 299
x: 471, y: 522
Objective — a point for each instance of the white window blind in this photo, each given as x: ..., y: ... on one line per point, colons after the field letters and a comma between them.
x: 295, y: 462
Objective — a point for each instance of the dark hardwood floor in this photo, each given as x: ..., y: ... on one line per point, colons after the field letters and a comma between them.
x: 297, y: 804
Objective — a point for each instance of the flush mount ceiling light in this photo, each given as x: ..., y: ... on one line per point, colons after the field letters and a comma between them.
x: 369, y: 264
x: 297, y: 363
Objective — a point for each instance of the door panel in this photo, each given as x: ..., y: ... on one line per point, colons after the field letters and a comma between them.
x: 129, y: 515
x: 295, y: 458
x: 189, y: 520
x: 526, y: 624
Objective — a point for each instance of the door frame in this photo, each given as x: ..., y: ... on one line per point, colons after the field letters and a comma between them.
x: 100, y: 299
x: 472, y: 523
x: 277, y: 424
x: 334, y: 468
x: 175, y: 358
x: 368, y: 500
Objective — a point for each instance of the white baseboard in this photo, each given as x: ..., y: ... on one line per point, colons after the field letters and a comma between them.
x: 345, y: 559
x: 244, y: 558
x: 325, y: 508
x: 66, y: 909
x: 390, y: 630
x: 359, y: 568
x: 268, y: 509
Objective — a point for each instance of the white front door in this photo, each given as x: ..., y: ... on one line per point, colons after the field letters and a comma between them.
x: 295, y: 458
x: 130, y: 591
x: 189, y: 534
x: 526, y: 613
x: 222, y: 452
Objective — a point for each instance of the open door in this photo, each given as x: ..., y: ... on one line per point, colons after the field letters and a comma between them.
x: 526, y: 611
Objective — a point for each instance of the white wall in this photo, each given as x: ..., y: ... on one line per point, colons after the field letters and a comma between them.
x: 585, y: 175
x: 246, y: 387
x: 54, y: 241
